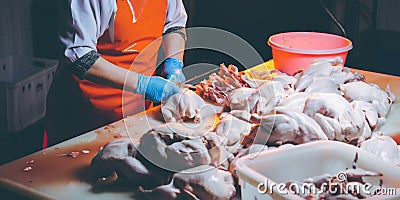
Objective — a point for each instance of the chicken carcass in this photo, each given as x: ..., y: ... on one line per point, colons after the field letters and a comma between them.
x: 241, y: 99
x: 185, y: 104
x: 233, y: 130
x: 336, y: 116
x: 261, y: 100
x: 258, y: 78
x: 286, y: 126
x: 332, y: 69
x: 381, y: 100
x: 175, y: 148
x: 295, y: 101
x: 121, y: 156
x: 322, y: 85
x: 202, y: 182
x: 172, y: 151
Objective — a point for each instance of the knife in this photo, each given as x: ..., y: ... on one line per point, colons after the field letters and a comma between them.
x: 182, y: 84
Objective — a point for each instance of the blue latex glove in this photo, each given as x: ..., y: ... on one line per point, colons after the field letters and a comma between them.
x: 173, y: 70
x: 155, y: 88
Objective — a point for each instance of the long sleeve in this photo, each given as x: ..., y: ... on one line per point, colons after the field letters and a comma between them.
x: 84, y: 21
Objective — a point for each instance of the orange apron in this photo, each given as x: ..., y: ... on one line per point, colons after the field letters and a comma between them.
x: 78, y: 106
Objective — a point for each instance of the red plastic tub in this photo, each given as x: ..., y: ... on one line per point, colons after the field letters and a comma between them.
x: 293, y: 51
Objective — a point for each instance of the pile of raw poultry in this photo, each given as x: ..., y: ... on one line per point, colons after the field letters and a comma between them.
x: 260, y: 111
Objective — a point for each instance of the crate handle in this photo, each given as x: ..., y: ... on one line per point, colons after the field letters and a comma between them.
x: 39, y: 87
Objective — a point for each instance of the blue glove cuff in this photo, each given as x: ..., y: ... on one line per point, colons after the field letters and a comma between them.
x: 173, y: 70
x: 142, y: 83
x: 172, y: 64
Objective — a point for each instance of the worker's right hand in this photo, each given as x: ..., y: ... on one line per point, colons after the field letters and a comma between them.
x: 155, y: 88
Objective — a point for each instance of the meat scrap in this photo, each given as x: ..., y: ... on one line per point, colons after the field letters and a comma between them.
x: 217, y: 87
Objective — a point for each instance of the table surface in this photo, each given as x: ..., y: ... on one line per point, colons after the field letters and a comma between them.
x: 54, y: 175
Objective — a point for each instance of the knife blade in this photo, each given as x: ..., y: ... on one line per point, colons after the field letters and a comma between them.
x: 182, y: 84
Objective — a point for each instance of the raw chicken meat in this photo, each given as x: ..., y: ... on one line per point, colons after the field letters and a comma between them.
x: 261, y: 100
x: 322, y: 85
x: 172, y: 151
x: 217, y: 87
x: 121, y: 156
x: 202, y: 182
x: 325, y: 101
x: 336, y: 116
x: 233, y: 130
x: 242, y: 99
x: 325, y: 68
x: 286, y: 126
x: 171, y: 147
x: 185, y: 104
x: 380, y: 100
x: 295, y: 101
x: 219, y: 152
x: 384, y: 147
x: 257, y: 78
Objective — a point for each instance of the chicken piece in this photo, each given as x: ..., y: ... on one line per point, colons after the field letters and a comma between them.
x: 217, y: 87
x: 381, y: 100
x: 233, y: 129
x: 166, y: 192
x: 324, y: 67
x: 185, y: 104
x: 295, y: 101
x: 121, y: 156
x: 218, y: 150
x: 319, y: 68
x: 332, y: 111
x: 371, y: 115
x: 202, y: 182
x: 331, y: 69
x: 384, y: 147
x: 286, y: 126
x: 322, y: 85
x: 176, y: 147
x: 261, y: 100
x: 241, y: 99
x: 258, y: 78
x: 273, y: 92
x: 182, y: 131
x: 206, y: 182
x: 172, y: 151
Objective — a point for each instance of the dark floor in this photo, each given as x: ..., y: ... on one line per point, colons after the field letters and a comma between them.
x: 15, y: 145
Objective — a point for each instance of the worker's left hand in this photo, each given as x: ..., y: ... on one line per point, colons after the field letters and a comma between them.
x: 155, y: 88
x: 173, y: 70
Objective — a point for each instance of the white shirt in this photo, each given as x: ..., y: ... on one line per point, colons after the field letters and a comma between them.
x: 87, y: 20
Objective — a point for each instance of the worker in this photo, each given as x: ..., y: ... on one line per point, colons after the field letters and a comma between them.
x: 104, y: 42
